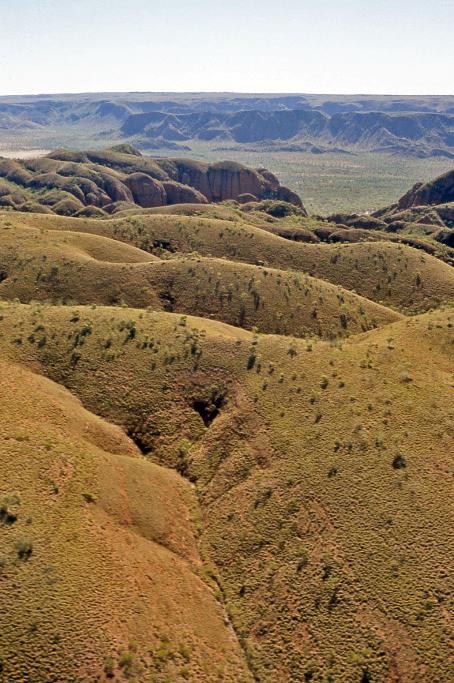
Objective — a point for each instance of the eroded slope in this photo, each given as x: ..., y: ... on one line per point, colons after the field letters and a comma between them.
x: 100, y: 573
x: 323, y: 485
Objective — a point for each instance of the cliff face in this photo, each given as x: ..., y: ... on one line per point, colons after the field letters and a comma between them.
x: 120, y: 177
x: 229, y: 180
x: 419, y: 133
x: 438, y: 191
x: 420, y: 126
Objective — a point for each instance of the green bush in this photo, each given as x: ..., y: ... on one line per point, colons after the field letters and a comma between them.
x: 24, y: 548
x: 399, y: 462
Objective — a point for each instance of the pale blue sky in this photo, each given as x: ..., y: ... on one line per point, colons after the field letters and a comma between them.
x: 323, y: 46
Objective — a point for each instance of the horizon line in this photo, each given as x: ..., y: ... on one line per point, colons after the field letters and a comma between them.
x: 223, y: 92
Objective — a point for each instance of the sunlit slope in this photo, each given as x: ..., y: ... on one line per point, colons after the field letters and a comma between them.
x: 389, y: 273
x: 70, y: 267
x: 322, y: 472
x: 100, y: 575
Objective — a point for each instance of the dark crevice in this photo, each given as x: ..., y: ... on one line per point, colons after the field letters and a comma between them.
x: 209, y: 409
x: 143, y: 445
x: 222, y: 599
x: 3, y: 275
x: 165, y: 245
x: 168, y: 301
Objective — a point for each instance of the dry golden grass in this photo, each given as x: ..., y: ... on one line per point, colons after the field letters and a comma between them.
x: 323, y: 486
x: 183, y: 499
x: 70, y: 267
x: 100, y: 569
x: 392, y: 274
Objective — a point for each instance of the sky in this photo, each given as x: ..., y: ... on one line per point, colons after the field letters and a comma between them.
x: 293, y: 46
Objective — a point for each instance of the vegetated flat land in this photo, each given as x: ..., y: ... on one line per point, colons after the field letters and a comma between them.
x: 329, y: 183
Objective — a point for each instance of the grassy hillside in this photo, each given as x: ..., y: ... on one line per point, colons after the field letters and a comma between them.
x: 63, y: 266
x: 392, y: 274
x: 323, y: 488
x: 101, y: 576
x: 226, y: 445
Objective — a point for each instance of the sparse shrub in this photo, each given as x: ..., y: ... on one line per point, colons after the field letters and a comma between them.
x: 183, y: 455
x: 109, y: 667
x: 7, y: 516
x: 75, y: 358
x: 126, y: 662
x: 185, y: 652
x: 251, y: 359
x: 324, y: 382
x: 89, y: 497
x: 327, y: 568
x: 263, y: 497
x: 303, y: 561
x: 131, y: 330
x: 292, y: 352
x: 84, y: 331
x: 334, y: 599
x: 399, y: 462
x: 24, y: 548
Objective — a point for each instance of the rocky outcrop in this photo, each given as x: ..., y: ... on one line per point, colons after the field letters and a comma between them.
x: 116, y: 207
x: 362, y: 222
x: 229, y: 180
x: 295, y: 234
x: 116, y: 189
x: 269, y: 177
x: 67, y: 181
x: 182, y: 194
x: 5, y: 189
x: 68, y: 207
x: 146, y: 191
x: 246, y: 198
x: 284, y: 194
x: 446, y: 212
x: 438, y: 191
x: 446, y: 237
